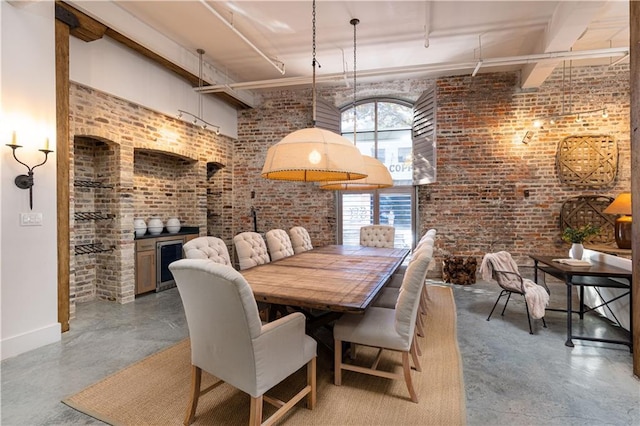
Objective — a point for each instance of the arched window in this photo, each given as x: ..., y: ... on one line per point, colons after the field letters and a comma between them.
x: 383, y: 130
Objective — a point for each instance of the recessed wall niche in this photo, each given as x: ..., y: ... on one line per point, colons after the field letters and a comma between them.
x: 164, y: 186
x: 94, y: 212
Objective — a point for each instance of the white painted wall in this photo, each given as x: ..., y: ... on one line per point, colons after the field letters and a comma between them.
x: 28, y: 255
x: 108, y: 66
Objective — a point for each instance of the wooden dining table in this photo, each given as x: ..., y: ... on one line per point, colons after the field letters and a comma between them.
x: 335, y: 278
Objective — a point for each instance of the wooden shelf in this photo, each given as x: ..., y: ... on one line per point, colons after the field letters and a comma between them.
x: 609, y: 249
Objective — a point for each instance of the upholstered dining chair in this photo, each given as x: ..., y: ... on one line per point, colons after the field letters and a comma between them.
x: 388, y: 295
x: 279, y: 244
x: 300, y: 239
x: 377, y: 236
x: 385, y: 329
x: 229, y: 341
x: 428, y: 239
x: 212, y: 248
x: 251, y: 250
x: 504, y: 270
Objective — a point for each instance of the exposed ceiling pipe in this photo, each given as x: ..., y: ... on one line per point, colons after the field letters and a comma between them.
x: 276, y: 64
x: 443, y: 66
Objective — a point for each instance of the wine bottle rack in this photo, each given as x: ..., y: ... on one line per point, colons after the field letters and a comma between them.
x: 92, y: 248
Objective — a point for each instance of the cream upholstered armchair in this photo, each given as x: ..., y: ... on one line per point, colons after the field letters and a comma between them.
x: 251, y: 250
x: 377, y: 236
x: 229, y: 341
x: 279, y: 244
x: 211, y: 248
x: 300, y: 239
x: 392, y: 329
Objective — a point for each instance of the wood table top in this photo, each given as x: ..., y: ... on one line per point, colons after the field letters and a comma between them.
x: 597, y: 269
x: 334, y: 278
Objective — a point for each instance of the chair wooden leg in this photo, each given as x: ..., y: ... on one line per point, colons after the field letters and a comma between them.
x: 311, y: 381
x: 406, y: 368
x: 419, y: 326
x: 255, y: 416
x: 415, y: 355
x: 415, y: 342
x: 337, y: 363
x: 196, y: 379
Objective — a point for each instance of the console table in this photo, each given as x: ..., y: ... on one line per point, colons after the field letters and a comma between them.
x: 597, y: 275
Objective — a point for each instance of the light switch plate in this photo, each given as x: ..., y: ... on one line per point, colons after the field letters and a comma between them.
x: 30, y: 219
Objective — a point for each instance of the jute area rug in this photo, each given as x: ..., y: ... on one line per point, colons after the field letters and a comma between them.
x: 154, y: 391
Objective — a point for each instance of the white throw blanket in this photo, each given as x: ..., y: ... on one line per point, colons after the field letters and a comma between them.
x: 535, y: 295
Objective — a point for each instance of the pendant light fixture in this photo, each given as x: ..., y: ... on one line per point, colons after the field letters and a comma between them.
x: 313, y: 154
x: 378, y: 175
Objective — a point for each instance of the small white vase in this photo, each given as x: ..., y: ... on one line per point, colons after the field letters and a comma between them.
x: 139, y: 226
x: 155, y: 226
x: 576, y: 251
x: 173, y: 225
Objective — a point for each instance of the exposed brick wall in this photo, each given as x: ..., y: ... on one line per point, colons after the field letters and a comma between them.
x: 157, y: 166
x: 478, y: 203
x: 278, y: 204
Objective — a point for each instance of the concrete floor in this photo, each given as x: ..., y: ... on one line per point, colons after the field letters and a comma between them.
x: 511, y: 377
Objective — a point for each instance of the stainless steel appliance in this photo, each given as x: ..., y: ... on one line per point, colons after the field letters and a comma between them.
x: 166, y: 252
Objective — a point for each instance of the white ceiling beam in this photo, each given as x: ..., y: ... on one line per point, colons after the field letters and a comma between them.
x: 568, y: 23
x: 440, y: 68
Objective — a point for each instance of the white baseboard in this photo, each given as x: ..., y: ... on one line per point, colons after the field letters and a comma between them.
x: 26, y: 342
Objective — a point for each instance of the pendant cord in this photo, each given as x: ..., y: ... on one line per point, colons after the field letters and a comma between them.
x: 313, y: 63
x: 200, y: 52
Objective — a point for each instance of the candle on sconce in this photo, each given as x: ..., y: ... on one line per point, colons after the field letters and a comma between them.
x: 13, y: 138
x: 46, y: 144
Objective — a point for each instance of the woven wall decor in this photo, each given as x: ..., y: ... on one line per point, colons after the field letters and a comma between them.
x: 588, y: 160
x: 587, y: 209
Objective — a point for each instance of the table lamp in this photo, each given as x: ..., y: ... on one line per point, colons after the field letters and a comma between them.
x: 622, y: 206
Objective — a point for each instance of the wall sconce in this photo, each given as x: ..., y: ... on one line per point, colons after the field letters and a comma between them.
x: 26, y: 181
x: 527, y: 137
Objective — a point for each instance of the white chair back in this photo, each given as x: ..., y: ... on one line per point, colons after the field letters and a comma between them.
x: 300, y: 239
x: 211, y: 248
x: 227, y: 336
x: 251, y: 250
x: 279, y: 244
x: 377, y: 236
x: 409, y: 296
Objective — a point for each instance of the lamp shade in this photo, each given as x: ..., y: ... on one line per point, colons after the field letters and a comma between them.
x: 314, y: 155
x: 621, y: 205
x: 378, y: 176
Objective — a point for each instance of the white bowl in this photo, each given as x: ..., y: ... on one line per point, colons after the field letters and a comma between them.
x: 155, y: 230
x: 173, y: 225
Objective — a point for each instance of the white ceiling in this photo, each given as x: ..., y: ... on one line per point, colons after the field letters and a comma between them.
x: 391, y: 36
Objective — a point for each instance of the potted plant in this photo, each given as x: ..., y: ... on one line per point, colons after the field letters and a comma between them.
x: 577, y: 236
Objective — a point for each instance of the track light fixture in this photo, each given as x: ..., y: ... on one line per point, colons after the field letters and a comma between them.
x: 197, y: 121
x: 579, y: 117
x: 196, y: 118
